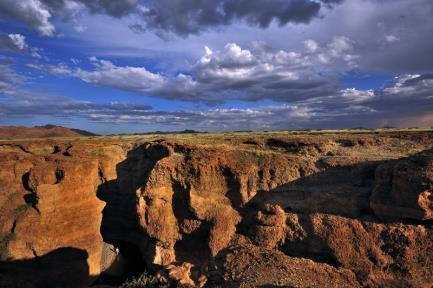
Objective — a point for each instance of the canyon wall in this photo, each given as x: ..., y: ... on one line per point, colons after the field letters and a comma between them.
x: 228, y: 210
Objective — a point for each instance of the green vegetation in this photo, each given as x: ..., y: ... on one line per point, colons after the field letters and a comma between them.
x: 21, y: 208
x: 144, y: 281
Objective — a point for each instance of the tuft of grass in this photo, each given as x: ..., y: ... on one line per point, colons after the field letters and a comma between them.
x: 145, y: 280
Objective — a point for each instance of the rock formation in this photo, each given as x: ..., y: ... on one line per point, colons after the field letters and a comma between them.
x: 232, y: 211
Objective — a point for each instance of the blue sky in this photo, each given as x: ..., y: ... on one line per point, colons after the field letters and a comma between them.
x: 145, y: 65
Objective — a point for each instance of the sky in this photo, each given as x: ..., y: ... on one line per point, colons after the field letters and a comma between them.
x: 130, y: 66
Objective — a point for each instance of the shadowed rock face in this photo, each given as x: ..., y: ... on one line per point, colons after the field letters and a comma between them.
x: 47, y: 270
x: 403, y: 189
x: 242, y: 211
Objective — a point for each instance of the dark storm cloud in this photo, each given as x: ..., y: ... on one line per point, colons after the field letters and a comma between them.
x: 191, y: 16
x: 407, y: 92
x: 37, y: 14
x: 181, y: 17
x: 32, y: 13
x: 394, y: 36
x: 415, y: 80
x: 331, y: 2
x: 116, y: 8
x: 406, y: 101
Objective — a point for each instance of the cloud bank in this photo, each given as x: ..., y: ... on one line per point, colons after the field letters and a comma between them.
x: 234, y: 73
x: 165, y: 16
x: 406, y: 101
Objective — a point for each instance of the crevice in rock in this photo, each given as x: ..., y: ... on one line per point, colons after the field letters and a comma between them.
x: 67, y: 153
x: 56, y: 149
x: 101, y: 175
x: 24, y: 149
x: 289, y: 146
x: 32, y: 197
x: 234, y: 192
x: 120, y: 225
x: 251, y: 142
x: 21, y: 147
x: 35, y: 255
x: 193, y: 248
x: 180, y: 202
x: 25, y: 181
x: 60, y: 174
x: 14, y: 226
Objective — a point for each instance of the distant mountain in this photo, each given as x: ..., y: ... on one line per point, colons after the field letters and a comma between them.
x: 16, y: 132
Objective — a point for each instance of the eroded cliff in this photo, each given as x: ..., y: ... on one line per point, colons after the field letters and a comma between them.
x: 231, y: 210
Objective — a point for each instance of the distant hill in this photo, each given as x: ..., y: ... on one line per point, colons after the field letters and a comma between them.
x: 187, y: 131
x: 15, y: 132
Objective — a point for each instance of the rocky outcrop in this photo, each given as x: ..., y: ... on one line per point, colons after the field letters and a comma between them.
x: 199, y: 190
x: 49, y: 202
x: 404, y: 188
x: 381, y: 255
x: 251, y: 266
x: 243, y: 212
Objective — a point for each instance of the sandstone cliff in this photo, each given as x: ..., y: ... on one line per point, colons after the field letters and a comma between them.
x: 226, y: 210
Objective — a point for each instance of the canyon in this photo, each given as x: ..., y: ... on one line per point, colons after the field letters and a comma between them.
x: 275, y: 209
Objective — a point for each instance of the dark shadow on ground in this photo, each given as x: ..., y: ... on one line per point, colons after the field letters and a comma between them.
x: 340, y: 190
x: 64, y: 267
x: 344, y: 191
